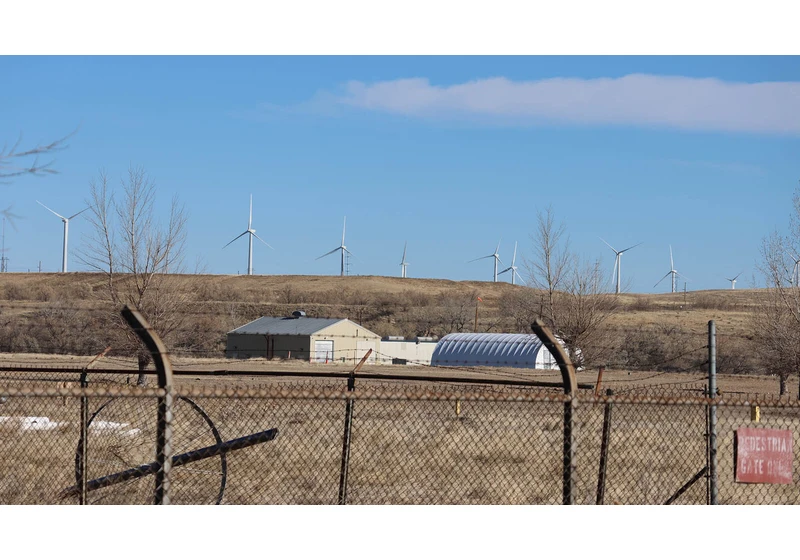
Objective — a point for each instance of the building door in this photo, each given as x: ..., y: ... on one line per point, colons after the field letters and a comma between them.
x: 323, y: 351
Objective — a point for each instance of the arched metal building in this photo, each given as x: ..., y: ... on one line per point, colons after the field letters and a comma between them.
x: 493, y: 349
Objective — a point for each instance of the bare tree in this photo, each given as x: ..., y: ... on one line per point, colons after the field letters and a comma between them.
x: 16, y: 161
x: 777, y: 320
x: 549, y: 267
x: 139, y: 257
x: 583, y: 308
x: 574, y: 298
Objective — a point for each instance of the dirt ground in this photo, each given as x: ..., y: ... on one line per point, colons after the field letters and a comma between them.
x: 253, y: 370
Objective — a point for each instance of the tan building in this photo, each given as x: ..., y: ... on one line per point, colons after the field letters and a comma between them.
x: 299, y: 337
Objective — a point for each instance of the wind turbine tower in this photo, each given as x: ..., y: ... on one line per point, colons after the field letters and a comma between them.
x: 252, y: 234
x: 733, y: 281
x: 66, y: 234
x: 341, y: 248
x: 618, y: 262
x: 403, y: 263
x: 513, y: 267
x: 3, y: 257
x: 674, y: 273
x: 496, y: 258
x: 795, y: 279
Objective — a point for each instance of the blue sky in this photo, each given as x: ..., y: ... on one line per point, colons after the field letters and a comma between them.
x: 451, y: 154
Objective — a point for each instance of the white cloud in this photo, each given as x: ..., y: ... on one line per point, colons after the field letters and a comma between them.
x: 703, y: 104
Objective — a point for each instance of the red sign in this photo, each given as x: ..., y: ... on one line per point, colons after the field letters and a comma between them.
x: 763, y: 456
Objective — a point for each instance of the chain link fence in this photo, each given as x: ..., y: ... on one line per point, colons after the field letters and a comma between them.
x: 406, y: 444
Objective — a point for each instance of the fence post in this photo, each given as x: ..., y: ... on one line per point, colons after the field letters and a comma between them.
x: 601, y: 478
x: 712, y: 411
x: 348, y: 426
x: 570, y: 388
x: 84, y: 435
x: 157, y: 349
x: 84, y: 441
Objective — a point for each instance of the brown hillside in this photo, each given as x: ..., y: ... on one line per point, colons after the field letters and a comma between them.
x: 385, y: 305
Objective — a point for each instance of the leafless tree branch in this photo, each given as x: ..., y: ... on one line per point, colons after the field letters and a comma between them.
x: 141, y: 259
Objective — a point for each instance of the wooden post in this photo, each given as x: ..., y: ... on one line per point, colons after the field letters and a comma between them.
x: 599, y: 380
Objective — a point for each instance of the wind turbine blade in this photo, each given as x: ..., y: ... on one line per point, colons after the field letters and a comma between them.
x: 682, y: 276
x: 344, y: 226
x: 54, y: 212
x: 607, y: 243
x: 671, y: 264
x: 250, y: 222
x: 404, y: 252
x: 498, y: 247
x: 737, y: 276
x: 514, y: 257
x: 481, y: 258
x: 662, y: 279
x: 234, y: 239
x: 631, y: 247
x: 504, y: 271
x: 328, y: 253
x: 79, y: 213
x: 264, y: 242
x: 519, y: 277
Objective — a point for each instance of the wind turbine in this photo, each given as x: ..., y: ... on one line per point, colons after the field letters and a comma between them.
x: 512, y: 268
x: 795, y: 279
x: 403, y: 263
x: 733, y: 281
x: 672, y: 271
x: 66, y: 234
x: 618, y: 261
x: 252, y: 233
x: 342, y: 248
x: 496, y: 258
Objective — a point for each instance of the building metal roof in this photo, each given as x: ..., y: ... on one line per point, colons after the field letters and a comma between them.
x: 286, y: 325
x: 492, y: 349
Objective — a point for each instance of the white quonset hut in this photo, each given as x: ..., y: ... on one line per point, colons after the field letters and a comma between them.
x: 313, y: 339
x: 493, y: 349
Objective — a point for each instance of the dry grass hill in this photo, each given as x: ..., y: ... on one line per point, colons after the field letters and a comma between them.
x: 56, y: 313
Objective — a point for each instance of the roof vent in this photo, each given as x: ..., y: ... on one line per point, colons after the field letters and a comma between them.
x: 298, y: 314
